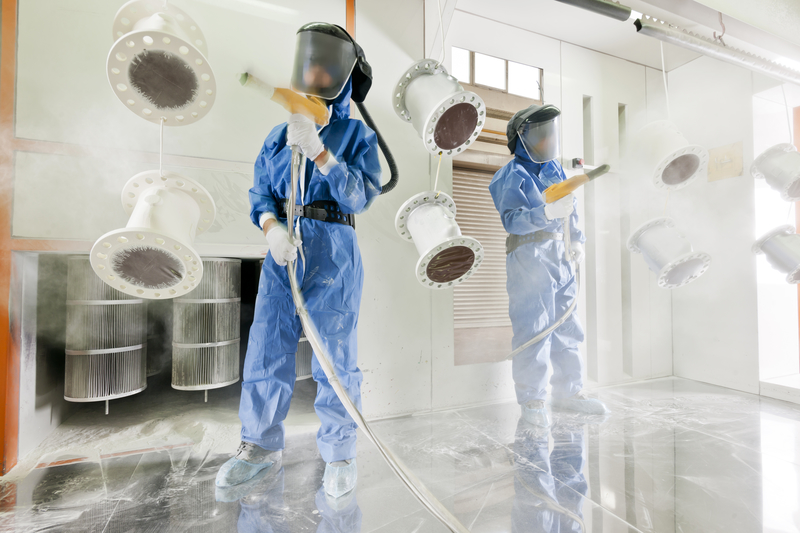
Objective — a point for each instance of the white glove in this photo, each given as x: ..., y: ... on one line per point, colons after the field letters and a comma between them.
x: 282, y: 250
x: 302, y: 132
x: 561, y: 208
x: 577, y: 251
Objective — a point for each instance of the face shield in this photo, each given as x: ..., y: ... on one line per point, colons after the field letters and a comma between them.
x: 542, y: 140
x: 322, y: 64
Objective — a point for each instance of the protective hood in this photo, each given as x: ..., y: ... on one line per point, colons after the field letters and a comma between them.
x: 530, y: 115
x: 340, y: 106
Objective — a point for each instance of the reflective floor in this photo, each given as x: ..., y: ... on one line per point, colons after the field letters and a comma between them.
x: 674, y: 456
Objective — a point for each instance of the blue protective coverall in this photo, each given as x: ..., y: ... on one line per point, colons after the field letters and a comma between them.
x: 541, y: 283
x: 331, y: 278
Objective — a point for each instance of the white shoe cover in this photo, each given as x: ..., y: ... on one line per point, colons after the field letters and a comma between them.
x: 535, y: 412
x: 246, y: 464
x: 340, y: 477
x: 581, y: 403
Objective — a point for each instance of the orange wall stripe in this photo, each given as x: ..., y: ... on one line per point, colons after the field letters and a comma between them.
x: 350, y: 14
x: 9, y: 354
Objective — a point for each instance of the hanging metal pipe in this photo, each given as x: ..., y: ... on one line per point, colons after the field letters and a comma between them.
x: 602, y: 7
x: 698, y: 44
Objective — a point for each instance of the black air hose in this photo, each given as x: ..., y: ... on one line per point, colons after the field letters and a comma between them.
x: 384, y: 148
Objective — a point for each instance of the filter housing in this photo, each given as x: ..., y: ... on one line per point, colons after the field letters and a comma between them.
x: 668, y: 253
x: 446, y: 117
x: 447, y: 258
x: 781, y: 246
x: 153, y: 256
x: 157, y: 66
x: 663, y: 154
x: 780, y: 167
x: 106, y: 340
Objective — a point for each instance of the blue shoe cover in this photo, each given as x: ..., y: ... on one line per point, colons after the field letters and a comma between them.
x: 535, y: 412
x: 340, y: 478
x: 248, y: 461
x: 232, y: 493
x: 582, y: 404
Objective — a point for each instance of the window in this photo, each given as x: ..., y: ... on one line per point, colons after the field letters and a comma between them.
x: 506, y: 76
x: 490, y: 71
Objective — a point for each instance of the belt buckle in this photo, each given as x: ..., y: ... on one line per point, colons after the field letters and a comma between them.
x: 299, y: 210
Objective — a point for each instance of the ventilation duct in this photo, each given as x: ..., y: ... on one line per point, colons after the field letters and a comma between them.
x: 447, y: 258
x: 668, y: 253
x: 153, y: 256
x: 157, y: 66
x: 446, y: 117
x: 701, y: 45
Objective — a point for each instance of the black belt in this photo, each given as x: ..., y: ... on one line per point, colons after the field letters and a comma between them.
x: 515, y: 241
x: 324, y: 210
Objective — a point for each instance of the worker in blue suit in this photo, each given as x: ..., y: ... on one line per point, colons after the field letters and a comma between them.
x: 540, y: 281
x: 342, y: 178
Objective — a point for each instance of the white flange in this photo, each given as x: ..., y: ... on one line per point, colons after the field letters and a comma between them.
x: 780, y: 167
x: 781, y: 246
x: 153, y: 256
x: 447, y: 258
x: 668, y: 253
x: 157, y: 67
x: 663, y: 153
x: 446, y: 117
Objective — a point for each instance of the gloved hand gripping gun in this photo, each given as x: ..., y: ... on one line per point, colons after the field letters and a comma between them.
x: 560, y: 190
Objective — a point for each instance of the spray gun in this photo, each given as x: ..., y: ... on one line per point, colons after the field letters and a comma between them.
x: 560, y: 190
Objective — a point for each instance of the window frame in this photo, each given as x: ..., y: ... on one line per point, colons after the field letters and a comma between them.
x: 472, y: 81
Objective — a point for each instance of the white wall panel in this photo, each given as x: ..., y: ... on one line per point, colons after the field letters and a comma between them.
x: 395, y: 325
x: 63, y: 94
x: 715, y: 320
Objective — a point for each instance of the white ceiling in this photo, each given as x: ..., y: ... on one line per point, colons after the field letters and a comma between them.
x: 583, y: 28
x: 620, y: 39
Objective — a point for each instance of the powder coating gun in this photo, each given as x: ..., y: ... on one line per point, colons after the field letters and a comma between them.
x: 310, y: 107
x: 551, y: 194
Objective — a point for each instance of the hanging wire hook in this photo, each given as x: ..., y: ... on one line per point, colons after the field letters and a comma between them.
x: 719, y: 38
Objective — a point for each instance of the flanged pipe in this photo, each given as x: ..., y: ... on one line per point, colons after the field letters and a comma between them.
x: 780, y: 167
x: 158, y: 65
x: 446, y: 117
x: 447, y: 258
x: 668, y: 253
x: 663, y: 154
x: 781, y: 246
x: 153, y: 256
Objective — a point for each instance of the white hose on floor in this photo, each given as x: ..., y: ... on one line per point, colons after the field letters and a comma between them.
x: 412, y: 482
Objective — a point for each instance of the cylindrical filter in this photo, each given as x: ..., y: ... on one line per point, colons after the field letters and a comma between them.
x: 781, y: 246
x: 446, y: 117
x: 205, y: 339
x: 157, y: 67
x: 668, y: 253
x: 663, y: 154
x: 153, y: 256
x: 780, y: 167
x: 447, y: 258
x: 106, y: 350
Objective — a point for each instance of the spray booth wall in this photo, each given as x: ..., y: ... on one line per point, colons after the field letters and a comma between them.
x: 84, y: 145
